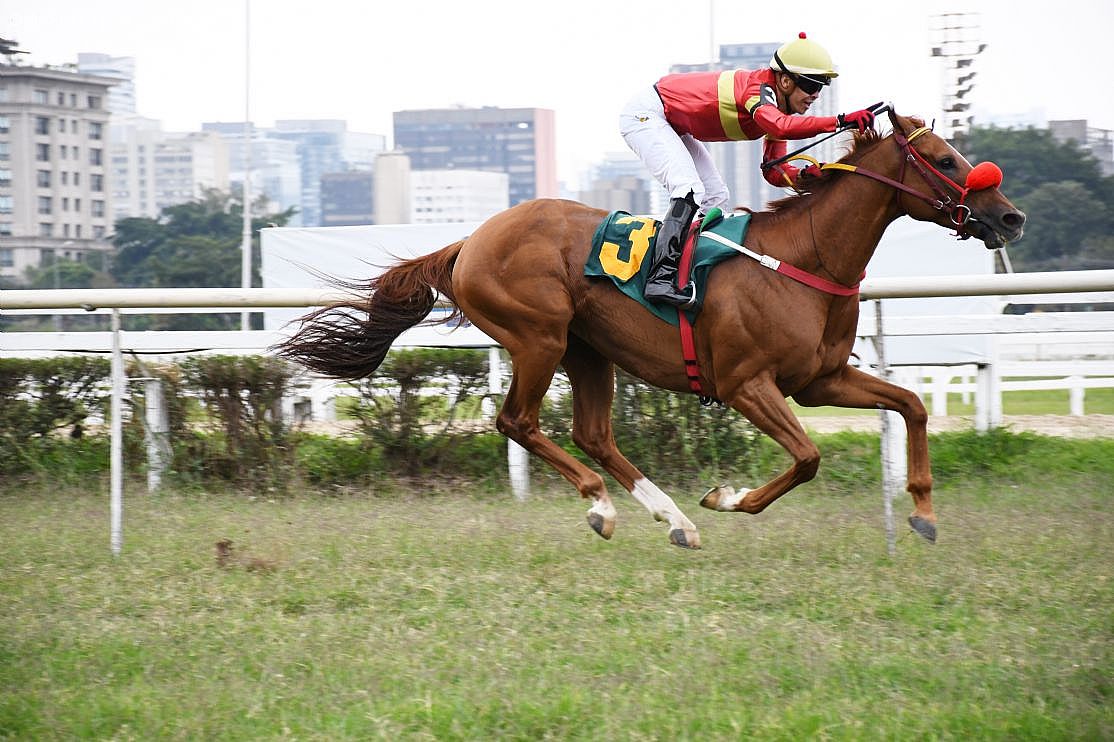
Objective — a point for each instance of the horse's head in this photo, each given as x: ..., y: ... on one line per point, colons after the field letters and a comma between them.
x: 940, y: 185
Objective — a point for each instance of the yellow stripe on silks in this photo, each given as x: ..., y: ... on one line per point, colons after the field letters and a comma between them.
x: 729, y: 107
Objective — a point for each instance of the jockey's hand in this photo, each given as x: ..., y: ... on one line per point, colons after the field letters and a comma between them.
x: 861, y: 120
x: 813, y: 171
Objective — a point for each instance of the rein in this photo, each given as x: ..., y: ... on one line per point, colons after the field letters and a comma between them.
x: 987, y: 175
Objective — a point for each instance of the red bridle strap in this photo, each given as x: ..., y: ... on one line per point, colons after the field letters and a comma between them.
x: 986, y: 175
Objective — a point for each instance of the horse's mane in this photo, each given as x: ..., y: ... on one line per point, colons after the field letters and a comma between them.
x: 862, y: 143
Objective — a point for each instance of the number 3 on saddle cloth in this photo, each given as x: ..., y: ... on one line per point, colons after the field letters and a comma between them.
x: 621, y: 247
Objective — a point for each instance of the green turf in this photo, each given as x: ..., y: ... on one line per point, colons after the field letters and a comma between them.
x: 435, y: 612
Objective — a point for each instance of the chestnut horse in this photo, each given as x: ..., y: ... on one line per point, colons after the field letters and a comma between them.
x: 760, y: 338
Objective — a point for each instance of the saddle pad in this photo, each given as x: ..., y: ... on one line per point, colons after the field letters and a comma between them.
x: 623, y: 248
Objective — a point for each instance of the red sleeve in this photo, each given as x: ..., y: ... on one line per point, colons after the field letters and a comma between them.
x: 779, y: 176
x: 783, y: 126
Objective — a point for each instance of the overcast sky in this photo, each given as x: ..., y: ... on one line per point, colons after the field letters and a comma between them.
x: 359, y: 60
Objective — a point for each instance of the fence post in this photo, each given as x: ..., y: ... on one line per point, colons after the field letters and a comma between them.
x: 940, y: 382
x: 116, y: 446
x: 982, y: 397
x: 1075, y: 395
x: 518, y: 460
x: 894, y: 461
x: 157, y: 432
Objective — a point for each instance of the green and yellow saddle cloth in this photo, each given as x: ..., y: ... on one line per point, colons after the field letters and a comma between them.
x: 623, y: 248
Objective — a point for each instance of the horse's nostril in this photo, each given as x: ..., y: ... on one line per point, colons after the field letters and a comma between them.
x: 1013, y: 219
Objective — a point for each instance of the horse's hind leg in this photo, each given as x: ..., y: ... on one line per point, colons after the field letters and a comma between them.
x: 593, y: 389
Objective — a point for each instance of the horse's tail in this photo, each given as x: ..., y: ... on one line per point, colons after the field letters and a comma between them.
x: 350, y: 339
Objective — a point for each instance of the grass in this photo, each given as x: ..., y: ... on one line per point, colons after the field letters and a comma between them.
x: 436, y: 612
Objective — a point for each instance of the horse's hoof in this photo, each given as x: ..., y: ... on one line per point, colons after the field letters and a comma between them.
x: 723, y: 498
x: 603, y: 526
x: 684, y: 538
x: 923, y: 528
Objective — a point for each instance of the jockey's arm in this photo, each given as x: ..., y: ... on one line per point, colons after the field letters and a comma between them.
x: 783, y: 175
x: 784, y: 126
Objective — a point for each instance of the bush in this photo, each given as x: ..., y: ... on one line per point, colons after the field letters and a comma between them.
x: 41, y: 396
x: 243, y: 397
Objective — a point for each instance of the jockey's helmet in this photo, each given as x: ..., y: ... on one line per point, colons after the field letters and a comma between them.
x: 804, y: 58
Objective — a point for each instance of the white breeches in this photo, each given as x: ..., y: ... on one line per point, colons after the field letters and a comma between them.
x: 678, y: 162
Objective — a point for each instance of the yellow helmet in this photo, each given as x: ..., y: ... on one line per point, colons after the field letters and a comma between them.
x: 804, y: 57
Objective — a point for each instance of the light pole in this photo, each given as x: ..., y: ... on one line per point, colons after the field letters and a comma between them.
x: 245, y: 243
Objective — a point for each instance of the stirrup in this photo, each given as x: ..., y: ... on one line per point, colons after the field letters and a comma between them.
x: 692, y: 299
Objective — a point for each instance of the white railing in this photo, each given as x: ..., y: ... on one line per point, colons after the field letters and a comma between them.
x: 880, y: 288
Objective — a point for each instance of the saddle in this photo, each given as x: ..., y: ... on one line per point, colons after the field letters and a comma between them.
x: 623, y: 244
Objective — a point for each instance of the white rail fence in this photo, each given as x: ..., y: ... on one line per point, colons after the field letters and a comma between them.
x: 988, y: 384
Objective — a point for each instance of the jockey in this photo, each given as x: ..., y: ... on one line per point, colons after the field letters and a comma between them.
x: 667, y: 124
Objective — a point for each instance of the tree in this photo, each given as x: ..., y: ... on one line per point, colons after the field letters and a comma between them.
x: 1061, y: 188
x: 190, y: 245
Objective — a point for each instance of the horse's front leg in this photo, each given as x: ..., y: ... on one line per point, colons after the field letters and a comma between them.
x: 850, y: 387
x: 759, y: 400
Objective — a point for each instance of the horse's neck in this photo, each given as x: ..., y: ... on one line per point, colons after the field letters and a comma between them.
x: 841, y: 227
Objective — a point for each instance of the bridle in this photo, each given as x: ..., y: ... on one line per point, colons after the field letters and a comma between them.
x: 987, y: 175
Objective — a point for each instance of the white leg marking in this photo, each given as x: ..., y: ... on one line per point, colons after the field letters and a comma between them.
x: 724, y: 498
x: 660, y: 505
x: 604, y: 508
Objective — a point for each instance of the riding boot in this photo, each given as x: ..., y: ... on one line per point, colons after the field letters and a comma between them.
x: 661, y: 286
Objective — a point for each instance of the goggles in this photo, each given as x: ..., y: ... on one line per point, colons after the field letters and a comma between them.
x: 810, y: 85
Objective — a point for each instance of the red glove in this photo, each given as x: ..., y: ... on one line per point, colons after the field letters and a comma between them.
x: 812, y: 171
x: 861, y: 120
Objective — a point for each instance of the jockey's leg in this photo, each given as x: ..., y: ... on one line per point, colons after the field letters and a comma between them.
x: 716, y: 194
x: 669, y: 243
x: 645, y: 130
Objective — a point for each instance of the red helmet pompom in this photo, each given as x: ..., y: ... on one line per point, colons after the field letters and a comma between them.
x: 801, y: 35
x: 984, y: 175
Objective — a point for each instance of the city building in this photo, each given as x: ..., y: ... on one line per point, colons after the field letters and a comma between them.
x: 54, y: 189
x: 520, y: 142
x: 439, y: 196
x: 621, y: 182
x: 276, y: 169
x: 347, y: 199
x: 1099, y: 142
x: 153, y: 169
x: 121, y: 97
x: 392, y: 194
x: 325, y: 146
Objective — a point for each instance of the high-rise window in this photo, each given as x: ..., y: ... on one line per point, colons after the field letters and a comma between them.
x: 42, y: 152
x: 42, y: 125
x: 42, y: 178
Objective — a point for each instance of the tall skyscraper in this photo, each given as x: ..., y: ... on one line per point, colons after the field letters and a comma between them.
x: 121, y: 99
x: 520, y: 142
x: 325, y: 146
x: 53, y: 167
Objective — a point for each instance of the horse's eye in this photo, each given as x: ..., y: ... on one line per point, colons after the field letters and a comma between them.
x: 947, y: 163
